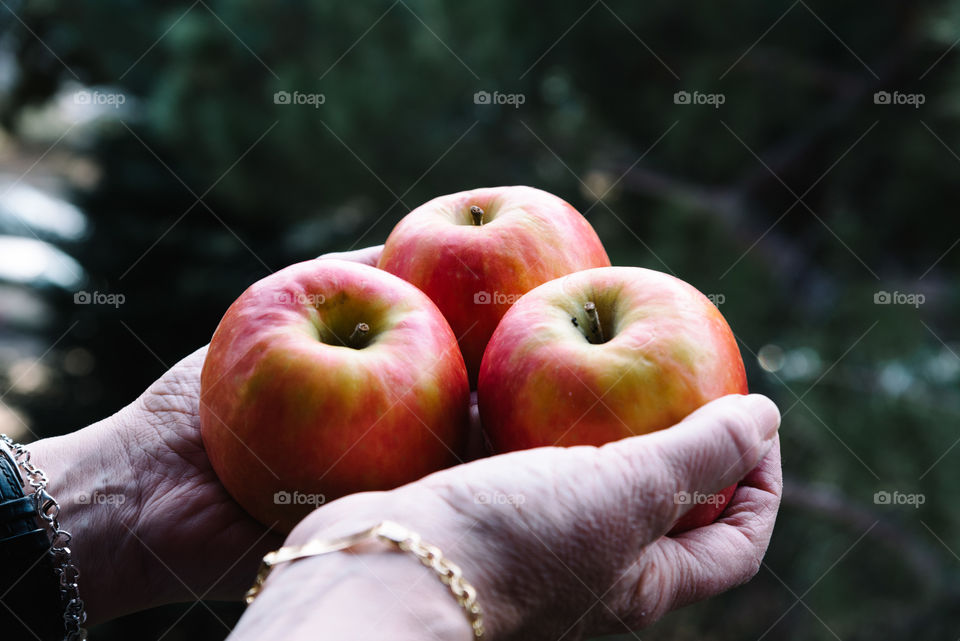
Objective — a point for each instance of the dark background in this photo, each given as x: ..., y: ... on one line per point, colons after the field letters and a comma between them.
x: 795, y: 203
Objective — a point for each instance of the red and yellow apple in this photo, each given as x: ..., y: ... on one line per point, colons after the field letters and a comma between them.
x: 603, y: 354
x: 475, y: 252
x: 327, y: 378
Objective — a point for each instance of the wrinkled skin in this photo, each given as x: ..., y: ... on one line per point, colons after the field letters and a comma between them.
x: 181, y: 497
x: 584, y: 553
x: 590, y: 527
x: 178, y: 535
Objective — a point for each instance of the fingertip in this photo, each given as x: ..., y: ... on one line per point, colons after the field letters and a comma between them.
x: 765, y: 412
x: 754, y: 410
x: 715, y: 446
x: 367, y: 255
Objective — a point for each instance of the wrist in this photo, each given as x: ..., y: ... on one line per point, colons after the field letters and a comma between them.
x: 355, y: 594
x: 459, y: 537
x: 98, y: 497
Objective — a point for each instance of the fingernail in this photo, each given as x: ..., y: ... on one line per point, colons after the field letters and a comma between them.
x: 766, y: 414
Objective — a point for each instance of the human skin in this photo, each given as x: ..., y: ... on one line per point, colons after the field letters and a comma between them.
x: 583, y: 552
x: 653, y: 350
x: 178, y: 535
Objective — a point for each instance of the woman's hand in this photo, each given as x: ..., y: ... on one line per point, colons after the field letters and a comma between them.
x: 152, y: 523
x: 559, y: 542
x: 556, y: 540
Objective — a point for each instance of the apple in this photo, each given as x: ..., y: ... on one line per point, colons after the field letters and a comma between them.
x: 603, y: 354
x: 327, y: 378
x: 475, y: 252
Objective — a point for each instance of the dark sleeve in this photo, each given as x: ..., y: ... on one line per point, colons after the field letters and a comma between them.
x: 30, y: 605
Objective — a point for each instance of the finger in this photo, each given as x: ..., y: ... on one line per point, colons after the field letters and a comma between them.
x: 759, y: 491
x: 194, y: 358
x: 706, y: 561
x: 477, y: 445
x: 367, y: 255
x: 713, y: 448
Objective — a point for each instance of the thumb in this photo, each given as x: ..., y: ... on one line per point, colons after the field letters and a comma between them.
x: 714, y: 447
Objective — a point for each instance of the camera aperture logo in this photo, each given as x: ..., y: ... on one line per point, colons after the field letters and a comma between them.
x: 298, y: 498
x: 494, y: 298
x: 699, y: 98
x: 98, y: 298
x: 698, y: 498
x: 898, y: 298
x: 899, y: 98
x: 883, y: 497
x: 496, y: 98
x: 299, y: 98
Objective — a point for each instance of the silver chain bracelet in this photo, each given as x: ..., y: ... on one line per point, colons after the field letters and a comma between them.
x: 74, y: 614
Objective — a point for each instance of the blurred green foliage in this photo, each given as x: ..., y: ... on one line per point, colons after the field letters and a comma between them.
x: 796, y: 201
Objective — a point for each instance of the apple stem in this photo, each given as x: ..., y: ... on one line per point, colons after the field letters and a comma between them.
x: 358, y: 333
x: 477, y: 214
x: 594, y: 318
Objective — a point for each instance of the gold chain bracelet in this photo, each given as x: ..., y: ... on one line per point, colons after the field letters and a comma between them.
x: 396, y: 535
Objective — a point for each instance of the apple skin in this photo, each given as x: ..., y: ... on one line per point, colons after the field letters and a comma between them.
x: 527, y: 238
x: 284, y: 407
x: 668, y: 351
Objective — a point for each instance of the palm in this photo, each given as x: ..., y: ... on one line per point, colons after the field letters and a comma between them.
x: 181, y: 496
x: 197, y: 531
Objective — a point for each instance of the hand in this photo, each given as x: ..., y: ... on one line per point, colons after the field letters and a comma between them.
x: 559, y: 542
x: 152, y: 524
